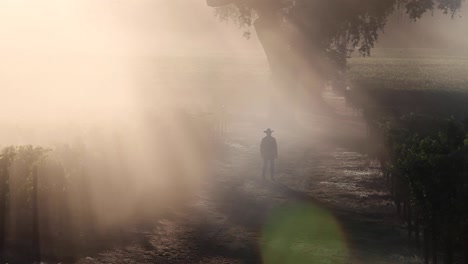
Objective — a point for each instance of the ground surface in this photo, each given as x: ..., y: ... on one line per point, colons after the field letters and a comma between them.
x: 237, y: 218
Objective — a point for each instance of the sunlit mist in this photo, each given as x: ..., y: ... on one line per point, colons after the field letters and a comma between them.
x: 114, y: 113
x: 128, y: 124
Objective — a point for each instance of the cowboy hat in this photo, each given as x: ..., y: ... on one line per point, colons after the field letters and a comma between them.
x: 268, y: 131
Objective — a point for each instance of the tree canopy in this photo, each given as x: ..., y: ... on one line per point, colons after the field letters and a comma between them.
x: 323, y: 31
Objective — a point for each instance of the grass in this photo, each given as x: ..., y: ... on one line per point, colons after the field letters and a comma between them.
x: 405, y: 81
x: 410, y: 70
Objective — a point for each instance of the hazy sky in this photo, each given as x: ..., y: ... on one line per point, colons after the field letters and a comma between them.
x: 115, y: 27
x: 434, y: 30
x: 31, y: 30
x: 144, y: 27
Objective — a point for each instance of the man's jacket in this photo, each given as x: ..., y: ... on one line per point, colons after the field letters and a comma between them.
x: 268, y: 148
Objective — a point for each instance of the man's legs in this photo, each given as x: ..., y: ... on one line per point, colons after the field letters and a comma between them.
x: 272, y: 168
x: 265, y: 161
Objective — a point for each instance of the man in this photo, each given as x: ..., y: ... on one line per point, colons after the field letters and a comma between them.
x: 269, y: 152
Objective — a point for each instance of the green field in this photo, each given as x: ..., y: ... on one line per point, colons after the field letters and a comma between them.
x: 410, y: 70
x: 399, y: 82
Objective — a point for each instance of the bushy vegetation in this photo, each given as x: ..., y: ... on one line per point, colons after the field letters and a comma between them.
x: 425, y: 161
x: 76, y: 198
x: 417, y: 116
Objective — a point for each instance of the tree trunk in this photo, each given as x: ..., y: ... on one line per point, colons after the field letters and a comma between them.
x: 405, y: 210
x: 36, y: 253
x: 434, y: 242
x: 397, y: 195
x: 410, y: 221
x: 298, y: 85
x: 416, y: 229
x: 392, y: 185
x: 271, y: 37
x: 426, y: 245
x: 449, y: 245
x: 3, y: 208
x: 465, y: 246
x: 88, y: 210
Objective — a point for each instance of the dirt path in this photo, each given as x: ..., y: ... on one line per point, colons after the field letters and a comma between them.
x: 235, y: 216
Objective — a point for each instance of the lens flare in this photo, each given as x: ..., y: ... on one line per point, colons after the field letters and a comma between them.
x: 303, y: 233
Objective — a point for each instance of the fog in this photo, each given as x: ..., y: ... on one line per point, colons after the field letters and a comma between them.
x: 116, y: 27
x: 129, y: 96
x: 88, y: 56
x: 75, y: 58
x: 433, y: 31
x: 132, y: 98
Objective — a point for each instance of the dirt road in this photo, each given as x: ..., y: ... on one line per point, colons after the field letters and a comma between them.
x: 327, y: 204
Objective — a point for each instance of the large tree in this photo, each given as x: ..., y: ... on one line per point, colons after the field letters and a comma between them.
x: 307, y: 42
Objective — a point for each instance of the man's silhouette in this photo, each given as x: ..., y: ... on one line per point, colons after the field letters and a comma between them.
x: 269, y: 152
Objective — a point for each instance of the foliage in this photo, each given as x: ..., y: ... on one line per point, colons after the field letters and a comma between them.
x: 103, y: 186
x: 429, y: 155
x: 6, y: 157
x: 414, y: 106
x: 328, y: 29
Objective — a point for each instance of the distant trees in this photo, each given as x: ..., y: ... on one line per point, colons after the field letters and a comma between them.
x: 307, y: 42
x: 6, y: 157
x: 62, y: 203
x: 45, y: 204
x: 29, y: 158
